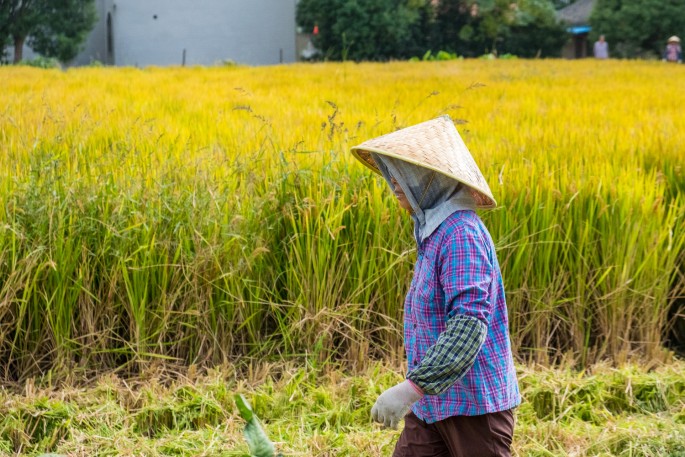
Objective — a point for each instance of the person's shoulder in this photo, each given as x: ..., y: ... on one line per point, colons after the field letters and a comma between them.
x: 462, y: 222
x: 463, y: 230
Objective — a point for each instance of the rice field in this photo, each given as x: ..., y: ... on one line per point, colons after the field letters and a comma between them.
x: 214, y: 216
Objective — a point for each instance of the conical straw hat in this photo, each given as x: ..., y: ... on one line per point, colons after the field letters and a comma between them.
x: 435, y: 145
x: 674, y: 39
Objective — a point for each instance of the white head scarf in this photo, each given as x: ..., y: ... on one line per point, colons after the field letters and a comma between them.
x: 432, y: 195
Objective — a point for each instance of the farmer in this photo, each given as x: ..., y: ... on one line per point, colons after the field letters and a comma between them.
x: 601, y: 48
x: 673, y: 51
x: 461, y: 387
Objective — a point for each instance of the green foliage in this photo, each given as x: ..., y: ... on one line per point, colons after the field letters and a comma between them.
x: 257, y: 441
x: 428, y: 56
x: 384, y: 29
x: 42, y: 62
x: 5, y: 37
x: 363, y: 29
x: 527, y: 28
x: 535, y: 32
x: 637, y: 28
x: 54, y: 28
x: 63, y: 28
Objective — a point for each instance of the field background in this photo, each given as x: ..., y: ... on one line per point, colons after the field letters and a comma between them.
x: 203, y: 217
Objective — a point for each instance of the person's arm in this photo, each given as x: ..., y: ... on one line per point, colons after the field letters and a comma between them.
x: 466, y: 276
x: 451, y: 357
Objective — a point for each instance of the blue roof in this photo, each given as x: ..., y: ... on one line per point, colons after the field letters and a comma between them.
x: 579, y: 29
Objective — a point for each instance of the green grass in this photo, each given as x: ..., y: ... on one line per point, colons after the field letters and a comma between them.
x: 603, y: 411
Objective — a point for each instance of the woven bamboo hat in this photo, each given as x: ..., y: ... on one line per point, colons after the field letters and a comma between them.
x: 435, y: 145
x: 674, y: 39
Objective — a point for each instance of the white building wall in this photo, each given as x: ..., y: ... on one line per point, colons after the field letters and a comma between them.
x: 156, y: 32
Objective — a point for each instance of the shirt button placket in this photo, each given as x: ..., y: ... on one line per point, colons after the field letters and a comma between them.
x: 420, y: 267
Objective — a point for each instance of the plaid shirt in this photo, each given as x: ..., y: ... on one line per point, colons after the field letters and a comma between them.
x: 456, y: 324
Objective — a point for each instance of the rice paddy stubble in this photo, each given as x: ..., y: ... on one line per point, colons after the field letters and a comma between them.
x: 629, y: 411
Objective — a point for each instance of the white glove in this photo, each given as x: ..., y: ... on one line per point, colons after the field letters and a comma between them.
x: 394, y: 403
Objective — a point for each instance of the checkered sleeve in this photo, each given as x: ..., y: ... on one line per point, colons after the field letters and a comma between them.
x: 451, y: 356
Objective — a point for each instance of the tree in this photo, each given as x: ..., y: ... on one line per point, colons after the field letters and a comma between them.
x: 54, y: 28
x: 69, y: 23
x: 536, y: 31
x: 365, y: 29
x: 16, y: 17
x: 637, y: 28
x: 4, y: 33
x: 474, y: 27
x: 384, y: 29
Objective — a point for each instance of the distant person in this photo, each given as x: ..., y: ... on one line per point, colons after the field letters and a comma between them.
x: 601, y: 49
x: 673, y: 51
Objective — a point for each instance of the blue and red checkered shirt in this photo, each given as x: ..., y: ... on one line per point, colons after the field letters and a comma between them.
x: 456, y: 326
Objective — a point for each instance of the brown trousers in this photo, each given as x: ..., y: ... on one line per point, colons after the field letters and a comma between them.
x: 488, y: 435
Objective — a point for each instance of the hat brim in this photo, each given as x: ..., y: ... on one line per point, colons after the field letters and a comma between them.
x: 364, y: 156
